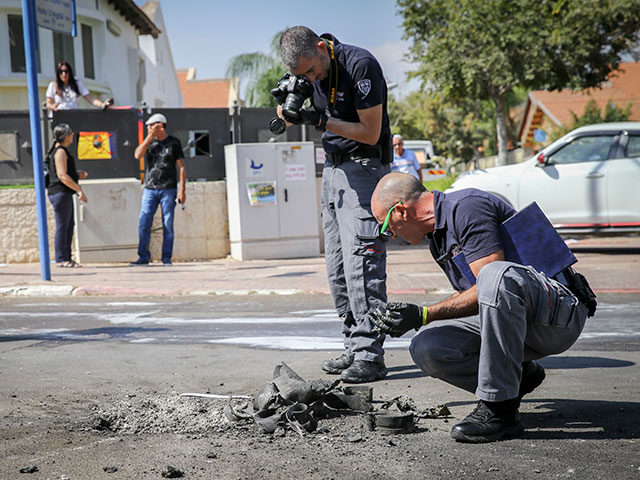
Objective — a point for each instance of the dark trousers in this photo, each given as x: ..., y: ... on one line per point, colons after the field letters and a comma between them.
x: 63, y: 208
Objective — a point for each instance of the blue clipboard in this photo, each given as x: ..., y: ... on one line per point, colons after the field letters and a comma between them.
x: 528, y: 238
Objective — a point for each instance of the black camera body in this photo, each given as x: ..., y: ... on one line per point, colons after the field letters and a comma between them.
x: 291, y: 93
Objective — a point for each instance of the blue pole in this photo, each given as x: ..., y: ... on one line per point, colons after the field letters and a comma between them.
x: 30, y: 43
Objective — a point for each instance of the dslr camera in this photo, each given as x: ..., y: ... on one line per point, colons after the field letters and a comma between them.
x: 291, y: 93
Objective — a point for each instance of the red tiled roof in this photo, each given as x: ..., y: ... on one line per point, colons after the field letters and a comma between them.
x: 622, y: 88
x: 207, y: 93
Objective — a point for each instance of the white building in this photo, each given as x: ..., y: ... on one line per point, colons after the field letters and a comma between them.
x: 105, y: 55
x: 161, y: 87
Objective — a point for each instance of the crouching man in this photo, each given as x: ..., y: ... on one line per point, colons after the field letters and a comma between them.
x: 486, y: 337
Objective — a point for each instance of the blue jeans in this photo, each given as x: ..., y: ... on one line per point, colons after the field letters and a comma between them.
x: 62, y: 204
x: 150, y: 200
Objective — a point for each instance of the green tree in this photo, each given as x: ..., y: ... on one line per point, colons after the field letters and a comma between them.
x: 456, y: 129
x: 261, y: 71
x: 483, y: 49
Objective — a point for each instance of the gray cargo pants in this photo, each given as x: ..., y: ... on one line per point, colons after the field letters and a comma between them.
x: 523, y: 315
x: 355, y: 256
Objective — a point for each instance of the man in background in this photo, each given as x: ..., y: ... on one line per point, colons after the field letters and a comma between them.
x: 164, y: 163
x: 405, y: 161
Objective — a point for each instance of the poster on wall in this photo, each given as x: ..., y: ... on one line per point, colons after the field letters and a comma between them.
x: 262, y: 193
x: 96, y: 145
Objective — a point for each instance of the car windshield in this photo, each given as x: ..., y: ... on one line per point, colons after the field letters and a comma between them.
x: 584, y: 149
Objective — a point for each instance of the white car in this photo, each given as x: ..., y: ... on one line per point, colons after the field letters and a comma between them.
x: 587, y: 181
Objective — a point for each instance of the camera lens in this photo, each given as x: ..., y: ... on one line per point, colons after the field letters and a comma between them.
x: 277, y: 126
x: 293, y: 104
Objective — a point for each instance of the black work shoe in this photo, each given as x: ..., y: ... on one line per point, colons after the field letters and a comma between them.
x: 532, y: 376
x: 139, y: 262
x: 337, y: 365
x: 489, y: 422
x: 362, y: 371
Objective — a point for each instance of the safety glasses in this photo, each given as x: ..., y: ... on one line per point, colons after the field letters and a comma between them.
x: 384, y: 231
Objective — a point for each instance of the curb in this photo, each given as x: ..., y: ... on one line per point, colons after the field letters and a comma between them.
x: 38, y: 291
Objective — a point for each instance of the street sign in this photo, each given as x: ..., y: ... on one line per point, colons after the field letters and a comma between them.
x: 57, y: 15
x: 539, y: 135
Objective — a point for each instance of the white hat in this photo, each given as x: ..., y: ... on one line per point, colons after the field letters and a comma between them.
x: 156, y: 118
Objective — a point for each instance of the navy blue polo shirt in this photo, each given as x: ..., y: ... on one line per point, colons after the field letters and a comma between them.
x: 361, y: 85
x: 467, y: 222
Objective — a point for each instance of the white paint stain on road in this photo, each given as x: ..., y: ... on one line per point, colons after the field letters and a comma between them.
x: 300, y: 343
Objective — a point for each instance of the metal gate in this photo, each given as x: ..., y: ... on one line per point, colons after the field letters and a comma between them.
x: 114, y: 134
x: 109, y: 138
x: 203, y: 133
x: 16, y: 164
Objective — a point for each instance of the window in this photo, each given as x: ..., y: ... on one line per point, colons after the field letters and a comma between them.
x: 9, y: 147
x: 633, y: 147
x: 142, y: 79
x: 63, y: 50
x: 199, y: 143
x: 87, y: 51
x: 584, y: 149
x: 16, y: 45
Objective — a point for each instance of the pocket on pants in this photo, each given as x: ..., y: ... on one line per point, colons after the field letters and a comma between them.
x: 367, y: 242
x: 556, y: 304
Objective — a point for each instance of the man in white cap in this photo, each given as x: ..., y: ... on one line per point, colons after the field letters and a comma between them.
x: 163, y: 155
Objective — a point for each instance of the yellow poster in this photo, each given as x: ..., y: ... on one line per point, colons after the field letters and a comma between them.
x: 94, y: 146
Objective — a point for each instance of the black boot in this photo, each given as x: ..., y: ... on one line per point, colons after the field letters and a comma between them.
x: 490, y: 421
x: 532, y: 376
x: 337, y: 365
x: 362, y: 371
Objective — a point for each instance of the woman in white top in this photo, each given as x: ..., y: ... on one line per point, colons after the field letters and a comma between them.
x: 63, y: 93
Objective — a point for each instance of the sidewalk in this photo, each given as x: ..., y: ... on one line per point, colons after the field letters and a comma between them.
x: 610, y: 264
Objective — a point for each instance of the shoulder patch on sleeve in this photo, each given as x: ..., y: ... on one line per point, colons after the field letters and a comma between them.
x: 364, y: 86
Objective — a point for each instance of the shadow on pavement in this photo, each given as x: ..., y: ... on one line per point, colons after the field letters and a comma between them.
x: 582, y: 419
x: 414, y: 372
x: 583, y: 362
x: 568, y: 419
x: 606, y: 250
x: 88, y: 335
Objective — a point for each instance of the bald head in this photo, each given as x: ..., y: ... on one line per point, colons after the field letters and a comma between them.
x: 397, y: 187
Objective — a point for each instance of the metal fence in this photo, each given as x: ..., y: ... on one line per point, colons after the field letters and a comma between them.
x: 105, y: 141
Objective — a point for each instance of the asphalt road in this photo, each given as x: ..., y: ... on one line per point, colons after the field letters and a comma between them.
x: 298, y: 322
x: 63, y: 359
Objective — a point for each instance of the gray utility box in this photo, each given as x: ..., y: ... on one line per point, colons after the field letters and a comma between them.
x: 271, y: 198
x: 107, y: 225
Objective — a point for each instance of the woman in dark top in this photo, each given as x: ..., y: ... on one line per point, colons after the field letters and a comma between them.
x: 63, y: 183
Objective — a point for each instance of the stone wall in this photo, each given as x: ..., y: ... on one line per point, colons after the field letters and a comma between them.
x: 201, y: 229
x: 19, y: 226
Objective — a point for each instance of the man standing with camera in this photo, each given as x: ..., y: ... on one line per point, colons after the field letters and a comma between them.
x: 349, y: 105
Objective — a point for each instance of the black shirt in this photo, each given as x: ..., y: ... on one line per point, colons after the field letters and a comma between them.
x: 161, y: 163
x: 467, y: 223
x: 55, y: 185
x: 361, y: 85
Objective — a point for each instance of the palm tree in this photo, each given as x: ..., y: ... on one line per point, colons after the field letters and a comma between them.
x: 261, y: 72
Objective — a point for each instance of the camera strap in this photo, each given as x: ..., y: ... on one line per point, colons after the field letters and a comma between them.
x: 333, y: 75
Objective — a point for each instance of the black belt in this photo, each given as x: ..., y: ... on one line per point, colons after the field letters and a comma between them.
x: 337, y: 158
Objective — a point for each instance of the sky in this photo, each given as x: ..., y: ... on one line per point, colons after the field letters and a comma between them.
x: 205, y: 34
